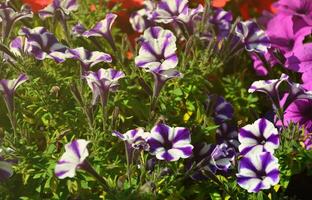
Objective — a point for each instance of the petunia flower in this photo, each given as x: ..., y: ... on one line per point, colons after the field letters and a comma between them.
x: 269, y: 87
x: 65, y: 7
x: 219, y: 3
x: 19, y: 46
x: 262, y: 67
x: 102, y: 82
x: 6, y: 170
x: 300, y: 59
x: 78, y: 30
x: 73, y: 158
x: 252, y: 37
x: 142, y: 19
x: 286, y: 31
x: 8, y: 88
x: 170, y: 143
x: 161, y: 77
x: 103, y: 29
x: 44, y: 44
x: 258, y: 172
x: 158, y: 50
x: 135, y: 138
x: 222, y: 20
x: 300, y: 8
x: 88, y: 58
x: 258, y: 137
x: 299, y: 112
x: 168, y: 11
x: 8, y: 17
x: 191, y: 19
x: 210, y: 158
x: 220, y: 109
x: 227, y: 134
x: 37, y: 5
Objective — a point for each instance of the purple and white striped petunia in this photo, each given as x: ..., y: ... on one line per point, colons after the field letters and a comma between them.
x: 210, y: 158
x: 64, y: 6
x: 258, y: 137
x: 269, y: 87
x: 168, y: 11
x: 191, y: 19
x: 44, y: 44
x: 102, y: 82
x: 158, y: 50
x: 223, y: 21
x: 142, y: 19
x: 221, y: 110
x: 136, y: 138
x: 19, y: 46
x: 258, y: 172
x: 252, y: 36
x: 228, y: 134
x: 8, y: 88
x: 74, y: 157
x: 8, y: 17
x: 170, y: 143
x: 6, y: 170
x: 161, y: 77
x: 78, y: 30
x: 103, y: 29
x: 88, y: 58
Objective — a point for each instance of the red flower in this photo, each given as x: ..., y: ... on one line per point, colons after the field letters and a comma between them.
x: 249, y: 7
x: 37, y: 5
x: 127, y: 7
x: 214, y: 3
x: 219, y: 3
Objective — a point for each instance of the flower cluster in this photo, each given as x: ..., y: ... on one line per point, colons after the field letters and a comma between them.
x: 165, y: 142
x: 258, y: 169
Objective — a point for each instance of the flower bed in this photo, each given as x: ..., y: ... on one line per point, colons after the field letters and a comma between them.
x: 168, y: 99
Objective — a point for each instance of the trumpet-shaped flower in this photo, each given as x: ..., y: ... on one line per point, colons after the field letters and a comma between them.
x: 64, y: 6
x: 269, y: 87
x: 227, y: 134
x: 88, y: 58
x: 161, y: 77
x: 74, y: 157
x: 252, y: 37
x: 8, y: 17
x: 168, y: 11
x: 210, y: 158
x: 142, y: 19
x: 102, y: 82
x: 157, y: 52
x: 136, y: 138
x: 301, y: 8
x: 222, y: 110
x: 258, y: 137
x: 6, y: 170
x: 44, y: 44
x: 258, y: 172
x: 170, y: 143
x: 78, y: 30
x: 8, y: 88
x: 299, y: 112
x: 19, y: 46
x: 103, y: 29
x: 223, y: 21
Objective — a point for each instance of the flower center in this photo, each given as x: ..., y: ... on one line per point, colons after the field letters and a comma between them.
x: 167, y: 145
x: 261, y: 140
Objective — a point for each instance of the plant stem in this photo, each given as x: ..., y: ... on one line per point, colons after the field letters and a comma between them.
x: 87, y: 167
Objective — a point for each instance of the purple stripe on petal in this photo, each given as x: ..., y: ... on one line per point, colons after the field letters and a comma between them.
x: 262, y: 126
